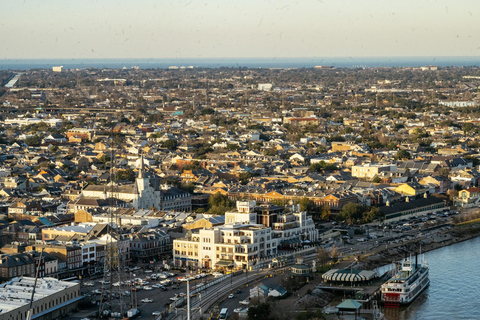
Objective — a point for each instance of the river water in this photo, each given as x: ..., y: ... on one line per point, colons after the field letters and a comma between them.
x: 454, y: 286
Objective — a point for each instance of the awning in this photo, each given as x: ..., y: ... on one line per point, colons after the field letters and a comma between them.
x: 349, y: 305
x: 348, y: 275
x: 225, y: 263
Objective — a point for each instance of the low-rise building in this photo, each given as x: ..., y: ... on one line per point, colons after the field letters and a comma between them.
x: 53, y: 298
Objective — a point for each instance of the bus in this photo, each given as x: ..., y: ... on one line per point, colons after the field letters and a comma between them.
x: 223, y: 313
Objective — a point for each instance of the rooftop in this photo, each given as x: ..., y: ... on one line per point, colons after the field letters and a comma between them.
x: 18, y: 291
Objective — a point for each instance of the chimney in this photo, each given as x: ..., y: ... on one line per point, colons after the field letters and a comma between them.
x: 387, y: 203
x: 425, y: 195
x: 407, y: 199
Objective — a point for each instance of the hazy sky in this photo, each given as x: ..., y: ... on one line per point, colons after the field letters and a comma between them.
x: 244, y: 28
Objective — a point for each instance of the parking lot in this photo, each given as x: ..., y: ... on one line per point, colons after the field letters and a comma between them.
x: 151, y: 292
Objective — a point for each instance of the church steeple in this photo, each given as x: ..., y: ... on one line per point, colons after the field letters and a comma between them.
x: 142, y: 181
x: 142, y: 168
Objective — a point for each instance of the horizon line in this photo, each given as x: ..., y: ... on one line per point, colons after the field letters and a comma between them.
x: 272, y: 57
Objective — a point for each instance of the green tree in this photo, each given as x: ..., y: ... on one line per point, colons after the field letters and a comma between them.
x: 126, y: 174
x: 325, y: 212
x: 321, y: 149
x: 351, y: 212
x: 170, y: 144
x: 467, y: 127
x: 232, y: 146
x: 243, y: 177
x: 219, y: 204
x: 306, y: 204
x: 33, y: 140
x: 207, y: 111
x: 373, y: 214
x: 403, y: 154
x: 377, y: 179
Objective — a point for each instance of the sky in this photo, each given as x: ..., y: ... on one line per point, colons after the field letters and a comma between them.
x: 102, y: 29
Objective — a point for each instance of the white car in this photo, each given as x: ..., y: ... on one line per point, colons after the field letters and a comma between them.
x: 174, y: 298
x: 237, y: 310
x: 148, y: 288
x: 156, y: 313
x: 245, y: 302
x: 146, y: 300
x: 89, y: 284
x: 231, y: 295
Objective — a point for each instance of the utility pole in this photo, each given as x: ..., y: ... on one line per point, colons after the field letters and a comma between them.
x: 188, y: 299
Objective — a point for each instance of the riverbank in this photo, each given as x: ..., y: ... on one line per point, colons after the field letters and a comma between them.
x: 388, y: 253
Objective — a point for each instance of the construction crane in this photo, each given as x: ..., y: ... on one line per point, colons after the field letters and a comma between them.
x: 30, y: 309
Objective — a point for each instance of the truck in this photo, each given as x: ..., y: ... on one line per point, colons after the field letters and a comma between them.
x: 132, y: 313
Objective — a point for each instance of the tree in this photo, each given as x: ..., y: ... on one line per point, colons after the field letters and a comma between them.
x: 259, y: 312
x: 377, y: 179
x: 219, y: 204
x: 310, y: 315
x: 33, y: 140
x: 351, y: 212
x: 170, y: 144
x: 467, y: 127
x: 373, y: 214
x: 334, y: 254
x: 322, y: 256
x: 232, y: 146
x: 306, y: 204
x: 207, y: 111
x: 403, y: 154
x: 127, y: 174
x: 325, y: 212
x: 243, y: 177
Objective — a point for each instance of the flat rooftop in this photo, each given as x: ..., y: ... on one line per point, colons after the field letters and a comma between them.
x: 18, y: 291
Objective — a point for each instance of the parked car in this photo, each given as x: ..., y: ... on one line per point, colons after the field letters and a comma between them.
x: 231, y: 296
x: 146, y: 300
x: 156, y: 313
x: 245, y: 302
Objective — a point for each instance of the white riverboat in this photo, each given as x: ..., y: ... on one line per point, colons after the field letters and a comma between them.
x: 406, y: 284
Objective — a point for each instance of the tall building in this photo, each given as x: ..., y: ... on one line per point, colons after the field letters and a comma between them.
x: 242, y: 240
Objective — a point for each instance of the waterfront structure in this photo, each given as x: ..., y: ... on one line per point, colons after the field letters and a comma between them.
x: 416, y: 207
x: 348, y: 276
x: 53, y: 298
x: 406, y: 284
